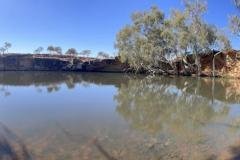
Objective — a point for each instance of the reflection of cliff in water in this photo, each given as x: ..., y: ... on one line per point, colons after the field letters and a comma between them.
x: 214, y: 89
x: 11, y: 146
x: 49, y: 78
x: 53, y: 80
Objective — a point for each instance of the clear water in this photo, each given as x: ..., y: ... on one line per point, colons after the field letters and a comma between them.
x: 85, y: 116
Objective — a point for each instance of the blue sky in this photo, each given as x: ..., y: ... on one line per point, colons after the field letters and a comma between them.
x: 84, y: 24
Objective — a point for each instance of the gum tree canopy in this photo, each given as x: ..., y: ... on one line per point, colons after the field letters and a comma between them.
x: 72, y: 51
x: 5, y: 48
x: 103, y: 55
x: 146, y: 41
x: 54, y: 50
x: 237, y: 3
x: 152, y: 39
x: 38, y: 50
x: 235, y: 20
x: 85, y: 53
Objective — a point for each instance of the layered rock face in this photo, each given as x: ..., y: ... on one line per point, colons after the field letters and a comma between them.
x: 29, y: 62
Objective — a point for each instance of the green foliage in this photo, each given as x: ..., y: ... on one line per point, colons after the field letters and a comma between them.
x: 2, y: 50
x: 6, y: 47
x: 202, y: 35
x: 223, y: 43
x: 58, y: 50
x: 235, y: 25
x: 38, y: 50
x: 235, y: 21
x: 72, y: 51
x: 103, y: 55
x: 50, y: 49
x: 152, y: 39
x: 147, y: 41
x: 180, y: 30
x: 54, y: 50
x: 85, y: 53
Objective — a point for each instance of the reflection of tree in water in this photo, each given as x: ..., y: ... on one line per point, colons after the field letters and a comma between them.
x: 170, y: 113
x: 11, y: 146
x: 152, y: 105
x: 157, y: 107
x: 5, y: 91
x: 53, y: 88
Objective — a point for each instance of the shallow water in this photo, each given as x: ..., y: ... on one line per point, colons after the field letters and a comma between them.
x: 85, y: 116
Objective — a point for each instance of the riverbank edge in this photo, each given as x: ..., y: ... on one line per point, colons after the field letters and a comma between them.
x: 48, y: 62
x: 224, y: 66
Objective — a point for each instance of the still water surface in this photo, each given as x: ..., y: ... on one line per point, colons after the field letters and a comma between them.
x: 89, y: 116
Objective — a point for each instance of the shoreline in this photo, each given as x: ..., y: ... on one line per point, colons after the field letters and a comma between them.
x: 227, y: 64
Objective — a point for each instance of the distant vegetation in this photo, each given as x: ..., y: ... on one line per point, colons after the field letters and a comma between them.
x: 85, y: 53
x: 54, y: 50
x: 71, y: 51
x: 5, y: 47
x: 57, y: 50
x: 39, y: 50
x: 152, y: 38
x: 103, y: 55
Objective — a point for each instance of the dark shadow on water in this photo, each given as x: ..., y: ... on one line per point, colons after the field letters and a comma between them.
x: 231, y: 153
x: 103, y: 151
x: 92, y: 142
x: 235, y: 152
x: 11, y: 146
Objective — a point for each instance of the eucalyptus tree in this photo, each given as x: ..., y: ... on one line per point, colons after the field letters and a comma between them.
x: 202, y: 35
x: 50, y: 49
x: 235, y: 20
x: 2, y: 50
x: 103, y: 55
x: 54, y: 50
x: 85, y: 53
x: 180, y: 29
x: 223, y: 43
x: 147, y: 41
x: 192, y: 34
x: 7, y: 45
x: 151, y: 38
x: 58, y: 50
x: 72, y: 52
x: 39, y: 50
x: 235, y: 25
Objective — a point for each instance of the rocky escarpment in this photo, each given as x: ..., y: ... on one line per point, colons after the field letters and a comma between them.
x: 46, y: 62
